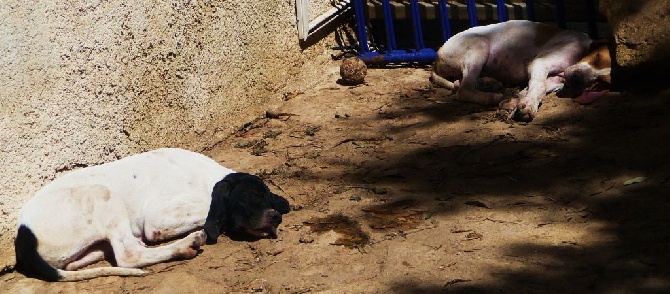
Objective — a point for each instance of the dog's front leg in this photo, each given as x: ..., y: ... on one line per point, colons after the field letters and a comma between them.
x: 529, y: 104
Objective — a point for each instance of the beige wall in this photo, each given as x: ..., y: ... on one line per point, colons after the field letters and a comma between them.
x: 85, y: 82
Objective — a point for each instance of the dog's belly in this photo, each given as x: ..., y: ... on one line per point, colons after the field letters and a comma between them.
x: 508, y: 70
x: 508, y: 61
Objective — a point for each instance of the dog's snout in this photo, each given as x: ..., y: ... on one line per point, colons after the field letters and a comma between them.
x: 574, y: 78
x: 275, y: 217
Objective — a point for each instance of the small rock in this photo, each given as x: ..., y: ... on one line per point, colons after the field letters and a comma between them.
x: 306, y: 239
x: 259, y: 285
x: 353, y: 71
x: 473, y: 236
x: 274, y: 253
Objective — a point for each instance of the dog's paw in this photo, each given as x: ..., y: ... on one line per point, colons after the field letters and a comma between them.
x: 193, y: 242
x: 199, y: 238
x: 526, y: 112
x: 189, y: 253
x: 507, y: 108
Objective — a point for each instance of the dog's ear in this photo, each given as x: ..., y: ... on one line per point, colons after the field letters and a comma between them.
x: 216, y: 217
x: 217, y: 210
x: 280, y: 204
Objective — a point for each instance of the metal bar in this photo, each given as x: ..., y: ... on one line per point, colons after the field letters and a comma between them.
x: 425, y: 56
x: 530, y: 10
x: 416, y: 24
x: 591, y: 17
x: 472, y: 13
x: 307, y: 28
x: 360, y: 26
x: 444, y: 19
x: 339, y: 7
x: 502, y: 11
x: 560, y: 13
x: 388, y: 22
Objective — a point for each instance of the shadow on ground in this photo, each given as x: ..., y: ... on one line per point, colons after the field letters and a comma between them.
x: 611, y: 164
x: 605, y: 164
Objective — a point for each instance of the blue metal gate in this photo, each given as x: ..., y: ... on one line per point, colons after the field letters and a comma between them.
x: 420, y: 52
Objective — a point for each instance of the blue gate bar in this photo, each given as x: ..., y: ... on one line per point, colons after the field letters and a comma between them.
x: 502, y: 11
x: 361, y: 30
x: 388, y: 23
x: 530, y: 10
x: 591, y: 15
x: 416, y: 24
x: 560, y: 13
x: 472, y: 13
x: 425, y: 56
x: 444, y: 19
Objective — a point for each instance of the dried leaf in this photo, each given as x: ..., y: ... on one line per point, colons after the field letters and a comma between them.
x: 634, y: 181
x: 455, y: 281
x: 476, y: 203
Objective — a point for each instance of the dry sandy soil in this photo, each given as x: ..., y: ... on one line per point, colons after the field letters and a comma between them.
x: 397, y: 189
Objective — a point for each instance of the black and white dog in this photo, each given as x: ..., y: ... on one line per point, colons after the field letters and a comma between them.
x: 152, y: 197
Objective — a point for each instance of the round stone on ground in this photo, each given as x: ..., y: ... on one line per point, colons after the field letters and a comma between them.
x: 353, y: 71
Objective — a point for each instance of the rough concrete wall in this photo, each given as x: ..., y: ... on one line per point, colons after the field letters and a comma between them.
x: 86, y: 82
x: 642, y: 35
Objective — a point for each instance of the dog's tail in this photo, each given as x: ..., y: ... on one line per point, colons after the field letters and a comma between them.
x: 85, y: 274
x: 437, y: 80
x: 31, y: 264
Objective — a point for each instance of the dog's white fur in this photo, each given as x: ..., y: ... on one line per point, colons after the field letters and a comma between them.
x: 153, y: 196
x: 515, y: 52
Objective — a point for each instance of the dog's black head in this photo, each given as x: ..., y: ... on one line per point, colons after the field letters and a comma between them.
x: 242, y: 203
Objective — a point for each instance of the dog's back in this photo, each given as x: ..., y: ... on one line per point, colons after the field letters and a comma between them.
x: 166, y: 169
x: 507, y: 49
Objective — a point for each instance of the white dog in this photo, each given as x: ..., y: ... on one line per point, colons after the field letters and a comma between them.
x: 114, y: 208
x: 516, y: 53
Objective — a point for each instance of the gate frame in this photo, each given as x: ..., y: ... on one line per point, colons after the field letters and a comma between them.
x: 421, y: 54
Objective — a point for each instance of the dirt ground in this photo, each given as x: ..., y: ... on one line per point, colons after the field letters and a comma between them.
x: 398, y: 189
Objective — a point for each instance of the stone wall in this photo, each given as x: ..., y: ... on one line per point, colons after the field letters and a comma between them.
x: 86, y: 82
x: 642, y: 35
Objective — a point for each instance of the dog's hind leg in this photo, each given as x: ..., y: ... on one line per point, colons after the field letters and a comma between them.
x: 130, y: 251
x: 112, y: 222
x: 97, y: 252
x: 474, y: 60
x: 130, y: 254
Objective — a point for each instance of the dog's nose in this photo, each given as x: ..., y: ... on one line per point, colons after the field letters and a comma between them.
x: 574, y: 78
x: 275, y: 218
